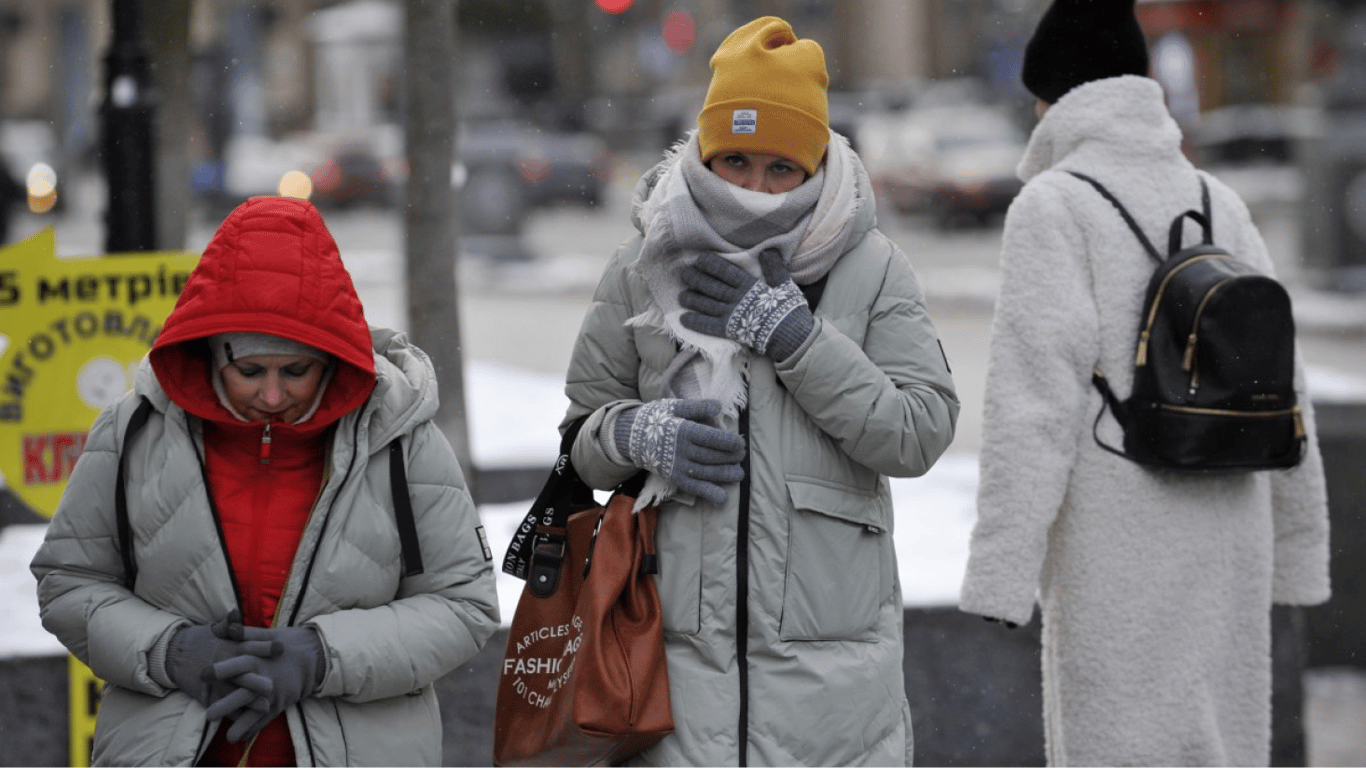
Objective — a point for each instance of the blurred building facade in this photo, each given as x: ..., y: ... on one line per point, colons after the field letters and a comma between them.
x: 270, y: 68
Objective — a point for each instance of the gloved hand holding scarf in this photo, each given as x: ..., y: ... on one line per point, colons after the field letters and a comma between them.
x: 771, y: 317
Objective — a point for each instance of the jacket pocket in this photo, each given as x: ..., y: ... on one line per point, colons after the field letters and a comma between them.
x: 838, y: 563
x: 678, y: 539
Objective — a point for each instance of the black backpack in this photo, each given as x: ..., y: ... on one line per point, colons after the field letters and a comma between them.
x: 1215, y: 363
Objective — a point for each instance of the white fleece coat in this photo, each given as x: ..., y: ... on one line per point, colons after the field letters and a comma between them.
x: 1155, y: 589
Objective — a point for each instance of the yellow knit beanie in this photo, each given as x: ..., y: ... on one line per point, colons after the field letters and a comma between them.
x: 767, y: 95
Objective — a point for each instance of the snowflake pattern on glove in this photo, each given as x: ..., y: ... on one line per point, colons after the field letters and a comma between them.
x: 760, y: 311
x: 654, y: 436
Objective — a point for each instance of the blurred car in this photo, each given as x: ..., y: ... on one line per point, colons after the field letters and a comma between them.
x: 353, y: 175
x: 1260, y: 150
x: 956, y: 163
x: 552, y: 166
x: 1253, y: 134
x: 848, y: 108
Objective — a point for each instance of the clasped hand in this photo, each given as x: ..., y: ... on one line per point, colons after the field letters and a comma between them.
x: 267, y: 685
x: 248, y: 674
x: 769, y: 316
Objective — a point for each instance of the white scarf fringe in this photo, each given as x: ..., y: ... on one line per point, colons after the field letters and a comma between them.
x: 676, y: 232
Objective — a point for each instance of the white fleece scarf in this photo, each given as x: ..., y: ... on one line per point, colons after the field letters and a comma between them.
x: 690, y: 211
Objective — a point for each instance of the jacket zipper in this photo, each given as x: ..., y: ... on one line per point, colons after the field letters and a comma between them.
x: 264, y: 457
x: 265, y: 444
x: 1141, y: 357
x: 742, y: 595
x: 275, y: 620
x: 201, y: 456
x: 308, y: 573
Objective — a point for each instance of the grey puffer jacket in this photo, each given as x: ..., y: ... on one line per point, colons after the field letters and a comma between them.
x: 387, y: 638
x: 782, y: 609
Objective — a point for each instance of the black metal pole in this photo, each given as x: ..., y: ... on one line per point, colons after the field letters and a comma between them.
x: 128, y: 125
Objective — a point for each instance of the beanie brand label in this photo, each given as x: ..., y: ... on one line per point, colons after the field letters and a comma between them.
x: 744, y: 121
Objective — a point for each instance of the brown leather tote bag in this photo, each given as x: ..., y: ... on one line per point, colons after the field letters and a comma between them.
x: 584, y: 679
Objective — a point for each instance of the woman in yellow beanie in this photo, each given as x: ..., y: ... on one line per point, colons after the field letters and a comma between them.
x: 765, y: 353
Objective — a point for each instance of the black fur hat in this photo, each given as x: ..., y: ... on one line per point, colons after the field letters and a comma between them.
x: 1078, y: 41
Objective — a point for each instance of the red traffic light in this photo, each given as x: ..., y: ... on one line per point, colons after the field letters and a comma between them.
x: 614, y: 7
x: 680, y: 32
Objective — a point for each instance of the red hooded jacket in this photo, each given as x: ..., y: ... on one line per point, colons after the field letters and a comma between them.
x: 272, y: 267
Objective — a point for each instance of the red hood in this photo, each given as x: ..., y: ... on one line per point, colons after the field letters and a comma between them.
x: 272, y: 267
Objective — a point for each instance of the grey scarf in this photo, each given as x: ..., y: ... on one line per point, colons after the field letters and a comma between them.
x: 690, y: 211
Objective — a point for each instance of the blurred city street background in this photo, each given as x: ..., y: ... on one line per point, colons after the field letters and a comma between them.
x: 560, y: 105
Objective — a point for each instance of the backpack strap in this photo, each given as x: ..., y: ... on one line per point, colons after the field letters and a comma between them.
x: 1204, y: 206
x: 403, y: 510
x: 121, y: 522
x: 1111, y: 402
x: 1204, y: 219
x: 1174, y: 234
x: 1123, y: 212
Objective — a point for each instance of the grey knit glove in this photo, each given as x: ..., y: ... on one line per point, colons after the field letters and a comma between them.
x: 193, y: 650
x: 769, y: 316
x: 677, y: 439
x: 276, y: 682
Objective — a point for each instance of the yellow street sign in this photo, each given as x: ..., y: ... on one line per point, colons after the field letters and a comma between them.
x: 72, y: 330
x: 83, y: 703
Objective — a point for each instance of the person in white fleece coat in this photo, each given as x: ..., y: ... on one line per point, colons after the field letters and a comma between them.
x: 1155, y: 588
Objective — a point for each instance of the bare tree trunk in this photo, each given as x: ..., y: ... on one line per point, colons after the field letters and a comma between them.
x: 166, y: 26
x: 430, y: 213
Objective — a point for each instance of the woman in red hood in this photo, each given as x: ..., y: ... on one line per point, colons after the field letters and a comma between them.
x: 267, y: 618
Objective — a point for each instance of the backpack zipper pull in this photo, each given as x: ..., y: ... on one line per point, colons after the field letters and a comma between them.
x: 265, y: 445
x: 1142, y: 357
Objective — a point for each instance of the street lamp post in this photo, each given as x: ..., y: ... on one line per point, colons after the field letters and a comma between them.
x: 128, y: 125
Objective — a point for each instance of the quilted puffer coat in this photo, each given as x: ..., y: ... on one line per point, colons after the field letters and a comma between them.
x: 1155, y: 588
x: 274, y: 268
x: 782, y: 608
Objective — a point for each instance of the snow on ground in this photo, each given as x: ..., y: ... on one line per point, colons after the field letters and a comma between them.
x: 21, y: 634
x: 513, y: 419
x: 1335, y: 387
